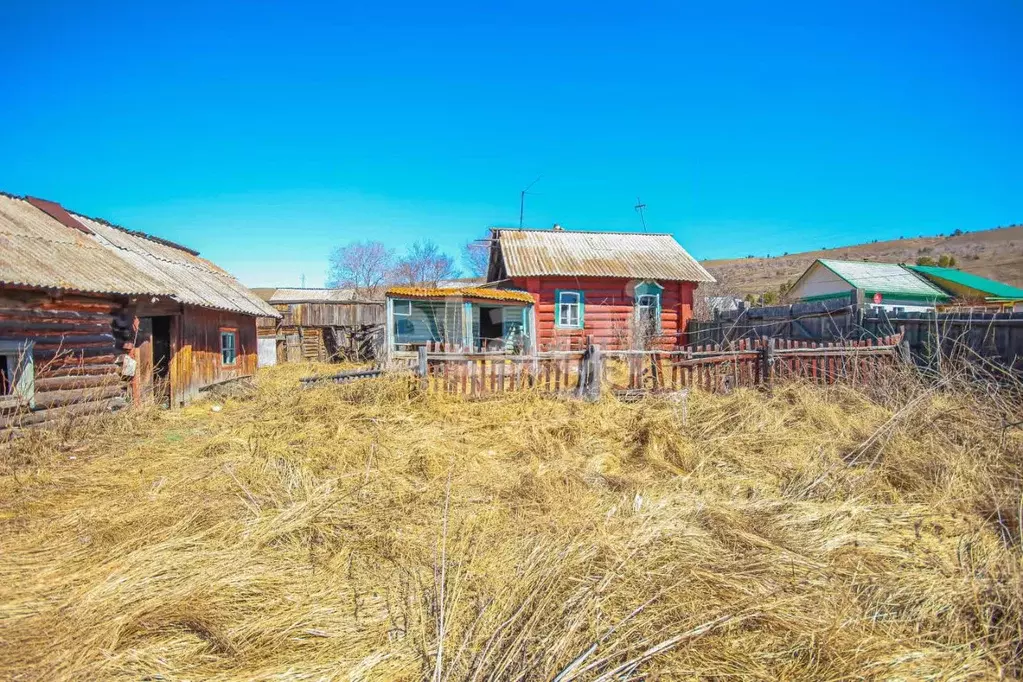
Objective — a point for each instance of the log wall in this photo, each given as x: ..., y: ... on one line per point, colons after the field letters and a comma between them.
x: 608, y: 312
x: 77, y: 341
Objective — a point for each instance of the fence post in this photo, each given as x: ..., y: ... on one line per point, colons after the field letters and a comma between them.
x: 766, y: 361
x: 423, y: 369
x: 858, y: 301
x: 904, y: 354
x: 592, y: 372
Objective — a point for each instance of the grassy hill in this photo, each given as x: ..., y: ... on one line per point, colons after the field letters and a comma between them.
x: 997, y: 254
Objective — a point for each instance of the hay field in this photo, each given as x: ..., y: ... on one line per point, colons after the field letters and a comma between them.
x: 367, y: 532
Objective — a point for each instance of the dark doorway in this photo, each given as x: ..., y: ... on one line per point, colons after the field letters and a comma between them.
x: 6, y: 376
x: 161, y: 359
x: 491, y: 328
x: 161, y: 347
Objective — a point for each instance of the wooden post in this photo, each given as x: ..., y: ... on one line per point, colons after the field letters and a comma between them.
x: 422, y: 369
x: 858, y: 301
x: 591, y: 372
x: 904, y: 354
x: 767, y: 361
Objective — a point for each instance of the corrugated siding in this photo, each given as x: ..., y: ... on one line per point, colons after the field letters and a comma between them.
x: 190, y: 279
x: 37, y: 251
x: 887, y: 278
x: 536, y: 253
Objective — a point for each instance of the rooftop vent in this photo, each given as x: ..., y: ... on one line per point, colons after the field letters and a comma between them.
x: 557, y: 227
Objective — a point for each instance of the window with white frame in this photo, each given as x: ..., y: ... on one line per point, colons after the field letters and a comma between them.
x: 569, y: 309
x: 228, y: 346
x: 17, y: 373
x: 648, y: 308
x: 402, y: 308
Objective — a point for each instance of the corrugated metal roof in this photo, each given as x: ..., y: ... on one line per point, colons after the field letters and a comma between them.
x: 189, y: 278
x: 313, y: 296
x: 531, y: 253
x: 464, y: 292
x: 884, y: 278
x: 990, y: 287
x: 38, y: 251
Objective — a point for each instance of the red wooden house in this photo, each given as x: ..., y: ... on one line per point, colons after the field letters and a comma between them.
x: 624, y: 289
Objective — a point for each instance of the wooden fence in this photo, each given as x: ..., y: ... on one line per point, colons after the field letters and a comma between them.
x: 750, y: 362
x: 480, y: 374
x: 997, y: 337
x: 710, y: 367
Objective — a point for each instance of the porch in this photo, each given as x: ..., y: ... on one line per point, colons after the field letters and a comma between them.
x: 478, y: 320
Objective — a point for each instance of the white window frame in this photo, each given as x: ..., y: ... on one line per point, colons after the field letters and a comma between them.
x: 406, y: 303
x: 564, y: 305
x: 19, y: 355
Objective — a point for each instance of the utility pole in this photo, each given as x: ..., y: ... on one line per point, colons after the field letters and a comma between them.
x: 522, y: 200
x: 303, y: 280
x: 639, y: 209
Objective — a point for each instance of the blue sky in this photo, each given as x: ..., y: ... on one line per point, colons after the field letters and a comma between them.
x: 264, y: 134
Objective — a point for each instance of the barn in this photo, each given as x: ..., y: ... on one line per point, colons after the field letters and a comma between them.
x: 93, y: 315
x: 624, y: 289
x: 321, y: 325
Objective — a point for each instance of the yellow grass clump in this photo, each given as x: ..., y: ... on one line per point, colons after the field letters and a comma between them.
x: 371, y: 532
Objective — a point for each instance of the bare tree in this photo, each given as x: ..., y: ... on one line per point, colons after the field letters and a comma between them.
x: 362, y: 266
x: 476, y: 256
x: 424, y: 264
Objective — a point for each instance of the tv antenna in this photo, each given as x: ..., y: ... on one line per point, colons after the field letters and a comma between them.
x: 639, y: 209
x: 522, y: 199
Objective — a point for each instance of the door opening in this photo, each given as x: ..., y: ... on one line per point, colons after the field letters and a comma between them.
x: 161, y: 358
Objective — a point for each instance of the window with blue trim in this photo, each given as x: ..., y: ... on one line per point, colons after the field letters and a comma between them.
x: 648, y: 307
x: 569, y: 309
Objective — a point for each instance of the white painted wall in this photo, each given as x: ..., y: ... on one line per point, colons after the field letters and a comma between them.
x: 266, y: 352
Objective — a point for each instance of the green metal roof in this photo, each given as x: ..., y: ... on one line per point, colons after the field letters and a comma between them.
x: 990, y: 287
x: 888, y: 279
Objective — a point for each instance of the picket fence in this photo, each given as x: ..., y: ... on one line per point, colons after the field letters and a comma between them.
x: 711, y: 367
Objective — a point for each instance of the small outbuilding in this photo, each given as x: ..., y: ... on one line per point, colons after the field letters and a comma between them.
x: 972, y: 291
x: 889, y: 286
x: 321, y: 325
x: 93, y: 315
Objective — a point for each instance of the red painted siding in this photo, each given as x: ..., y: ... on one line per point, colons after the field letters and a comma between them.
x: 608, y: 311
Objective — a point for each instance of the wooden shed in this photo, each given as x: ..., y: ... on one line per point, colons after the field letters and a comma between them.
x: 93, y: 315
x: 322, y: 324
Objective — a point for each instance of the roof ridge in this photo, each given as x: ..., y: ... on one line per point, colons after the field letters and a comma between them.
x: 138, y: 233
x: 549, y: 230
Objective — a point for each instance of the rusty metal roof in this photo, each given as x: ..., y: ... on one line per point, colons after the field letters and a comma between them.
x: 537, y: 253
x: 464, y: 292
x: 190, y: 279
x: 38, y: 251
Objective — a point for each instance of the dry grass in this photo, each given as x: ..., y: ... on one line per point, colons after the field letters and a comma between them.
x: 366, y: 532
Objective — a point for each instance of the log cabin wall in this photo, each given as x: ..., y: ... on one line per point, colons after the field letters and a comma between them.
x: 196, y: 360
x: 608, y: 311
x: 76, y: 342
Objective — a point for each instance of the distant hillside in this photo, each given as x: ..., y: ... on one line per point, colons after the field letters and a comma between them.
x: 997, y: 254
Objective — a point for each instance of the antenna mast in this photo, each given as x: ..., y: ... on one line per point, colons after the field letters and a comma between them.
x: 639, y: 209
x: 522, y: 199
